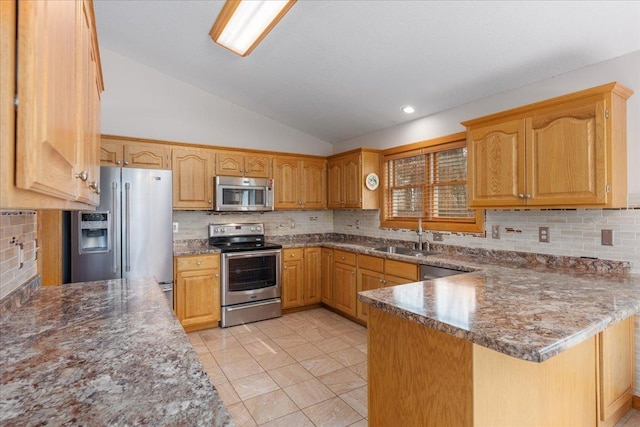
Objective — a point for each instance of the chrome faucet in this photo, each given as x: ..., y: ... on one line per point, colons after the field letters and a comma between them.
x: 422, y: 245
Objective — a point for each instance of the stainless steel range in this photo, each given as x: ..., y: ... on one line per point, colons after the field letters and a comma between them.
x: 250, y: 273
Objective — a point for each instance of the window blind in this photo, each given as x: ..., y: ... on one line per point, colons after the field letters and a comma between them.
x: 431, y: 184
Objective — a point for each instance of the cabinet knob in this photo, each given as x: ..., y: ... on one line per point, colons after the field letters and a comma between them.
x: 217, y: 275
x: 210, y: 201
x: 93, y: 185
x: 527, y: 196
x: 118, y: 162
x: 284, y: 268
x: 520, y: 196
x: 353, y: 273
x: 199, y: 262
x: 126, y: 163
x: 83, y: 176
x: 293, y: 255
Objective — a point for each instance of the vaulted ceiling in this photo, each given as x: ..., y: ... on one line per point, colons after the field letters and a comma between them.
x: 340, y: 69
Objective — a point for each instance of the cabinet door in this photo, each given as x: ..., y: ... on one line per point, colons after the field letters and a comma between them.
x: 292, y: 282
x: 312, y: 275
x: 46, y: 129
x: 192, y: 178
x: 566, y: 158
x: 198, y: 298
x: 335, y: 190
x: 257, y: 166
x: 615, y: 371
x: 89, y: 101
x: 229, y: 163
x: 367, y: 280
x: 352, y: 180
x: 314, y: 184
x: 344, y: 288
x: 495, y: 165
x: 327, y: 276
x: 286, y: 183
x: 111, y: 153
x: 147, y: 156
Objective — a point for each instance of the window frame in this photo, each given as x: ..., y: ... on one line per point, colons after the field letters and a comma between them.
x: 474, y: 224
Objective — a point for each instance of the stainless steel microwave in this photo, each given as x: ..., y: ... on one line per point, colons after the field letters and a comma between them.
x: 237, y: 194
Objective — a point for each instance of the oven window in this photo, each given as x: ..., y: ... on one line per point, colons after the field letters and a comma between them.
x: 243, y: 196
x: 252, y: 273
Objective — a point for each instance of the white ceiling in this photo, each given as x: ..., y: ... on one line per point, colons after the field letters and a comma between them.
x: 340, y: 69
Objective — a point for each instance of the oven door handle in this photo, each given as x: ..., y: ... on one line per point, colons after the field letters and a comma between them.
x: 251, y: 254
x: 252, y: 304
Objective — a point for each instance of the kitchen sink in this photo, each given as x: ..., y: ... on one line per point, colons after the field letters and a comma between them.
x: 404, y: 251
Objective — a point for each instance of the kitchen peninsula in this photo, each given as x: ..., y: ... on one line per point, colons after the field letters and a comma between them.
x: 102, y: 353
x: 502, y: 346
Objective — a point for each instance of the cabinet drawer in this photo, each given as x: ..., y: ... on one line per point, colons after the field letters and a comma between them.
x: 343, y: 257
x: 197, y: 262
x: 371, y: 263
x: 294, y: 254
x: 401, y: 269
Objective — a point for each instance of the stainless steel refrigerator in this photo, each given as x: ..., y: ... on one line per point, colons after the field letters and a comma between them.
x: 130, y: 233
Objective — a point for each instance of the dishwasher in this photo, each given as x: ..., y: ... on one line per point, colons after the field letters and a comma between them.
x: 428, y: 272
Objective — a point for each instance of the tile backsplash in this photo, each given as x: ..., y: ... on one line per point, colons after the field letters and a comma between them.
x: 193, y: 224
x: 573, y: 232
x: 17, y: 227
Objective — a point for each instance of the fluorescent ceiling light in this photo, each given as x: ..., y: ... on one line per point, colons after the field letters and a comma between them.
x: 242, y: 24
x: 408, y: 109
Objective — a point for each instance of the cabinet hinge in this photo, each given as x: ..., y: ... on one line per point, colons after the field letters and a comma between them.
x: 606, y: 114
x: 607, y: 188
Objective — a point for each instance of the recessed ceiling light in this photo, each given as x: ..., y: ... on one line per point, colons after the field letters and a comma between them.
x: 408, y: 109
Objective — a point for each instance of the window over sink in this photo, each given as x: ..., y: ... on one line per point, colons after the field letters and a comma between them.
x: 428, y: 180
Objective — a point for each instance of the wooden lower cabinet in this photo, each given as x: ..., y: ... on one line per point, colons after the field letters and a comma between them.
x: 615, y: 372
x: 375, y: 272
x: 326, y: 276
x: 292, y: 278
x: 197, y: 291
x: 344, y: 282
x: 301, y: 277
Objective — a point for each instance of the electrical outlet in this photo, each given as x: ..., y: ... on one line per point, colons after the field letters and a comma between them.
x: 175, y: 227
x: 543, y: 234
x: 438, y: 237
x: 293, y: 224
x: 357, y: 223
x: 607, y: 238
x: 495, y: 231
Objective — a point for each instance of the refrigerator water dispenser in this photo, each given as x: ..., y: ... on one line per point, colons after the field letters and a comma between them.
x: 94, y: 232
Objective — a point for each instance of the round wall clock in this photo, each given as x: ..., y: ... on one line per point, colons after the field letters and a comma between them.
x: 372, y: 181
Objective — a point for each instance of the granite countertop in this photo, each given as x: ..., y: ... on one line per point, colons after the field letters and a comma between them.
x: 528, y: 312
x: 102, y: 353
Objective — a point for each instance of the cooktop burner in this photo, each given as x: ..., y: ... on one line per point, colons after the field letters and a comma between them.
x: 239, y: 237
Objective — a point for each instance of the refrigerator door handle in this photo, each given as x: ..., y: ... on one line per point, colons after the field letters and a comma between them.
x: 127, y: 188
x: 114, y: 223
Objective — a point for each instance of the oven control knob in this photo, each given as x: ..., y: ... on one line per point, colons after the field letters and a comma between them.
x: 253, y: 229
x: 258, y: 228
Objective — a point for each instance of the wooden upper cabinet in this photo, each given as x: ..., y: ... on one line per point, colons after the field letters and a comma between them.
x: 300, y: 183
x: 132, y: 153
x: 565, y: 152
x: 574, y: 137
x: 232, y: 163
x: 193, y: 171
x: 57, y: 65
x: 346, y: 180
x: 495, y: 163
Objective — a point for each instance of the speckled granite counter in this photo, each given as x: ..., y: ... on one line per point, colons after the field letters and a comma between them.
x: 102, y: 353
x: 524, y: 311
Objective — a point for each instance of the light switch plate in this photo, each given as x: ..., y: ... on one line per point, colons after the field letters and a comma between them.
x: 438, y: 237
x: 543, y: 234
x: 495, y: 231
x: 607, y: 237
x: 175, y: 227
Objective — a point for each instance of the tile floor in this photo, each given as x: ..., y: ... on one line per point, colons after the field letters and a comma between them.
x: 302, y: 369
